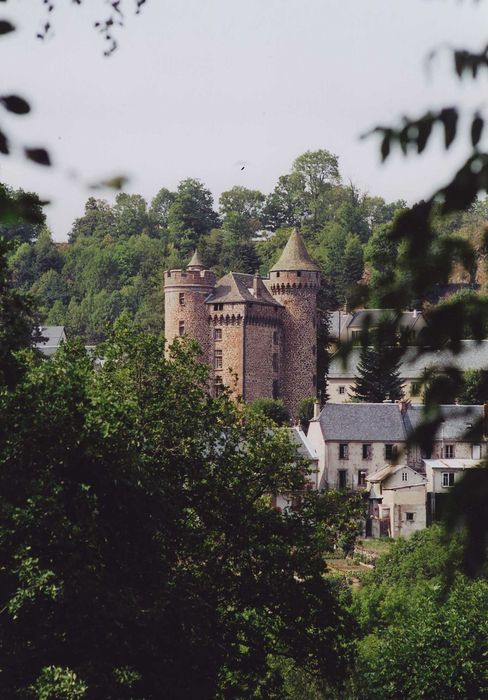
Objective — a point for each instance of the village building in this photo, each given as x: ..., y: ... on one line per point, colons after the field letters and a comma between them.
x: 397, y: 502
x: 51, y: 339
x: 355, y: 440
x: 259, y: 335
x: 341, y: 375
x: 348, y: 327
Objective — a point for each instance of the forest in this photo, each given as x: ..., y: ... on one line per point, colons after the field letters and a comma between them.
x: 115, y: 254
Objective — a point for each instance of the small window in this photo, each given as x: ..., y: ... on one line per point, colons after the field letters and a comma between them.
x: 182, y: 298
x: 275, y: 361
x: 218, y: 386
x: 277, y: 274
x: 415, y: 388
x: 217, y: 333
x: 367, y: 451
x: 299, y: 274
x: 342, y: 390
x: 342, y: 478
x: 218, y: 307
x: 314, y: 350
x: 275, y: 337
x: 390, y: 451
x: 181, y: 328
x: 356, y: 336
x: 448, y: 479
x: 362, y: 477
x: 404, y: 476
x: 448, y: 451
x: 410, y: 517
x: 218, y: 359
x: 344, y: 450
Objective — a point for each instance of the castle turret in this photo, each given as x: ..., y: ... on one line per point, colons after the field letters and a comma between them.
x: 185, y: 311
x: 294, y: 281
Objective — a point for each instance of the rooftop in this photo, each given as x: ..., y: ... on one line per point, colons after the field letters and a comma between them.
x: 295, y: 256
x: 237, y: 287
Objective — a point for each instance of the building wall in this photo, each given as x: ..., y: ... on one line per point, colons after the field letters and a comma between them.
x: 297, y: 291
x: 462, y: 450
x: 355, y: 462
x: 263, y: 376
x: 195, y: 286
x: 401, y: 501
x: 335, y: 395
x: 230, y: 322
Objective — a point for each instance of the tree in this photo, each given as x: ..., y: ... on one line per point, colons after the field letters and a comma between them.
x: 378, y: 377
x: 475, y: 387
x: 191, y: 215
x: 135, y: 507
x: 241, y: 211
x: 274, y: 409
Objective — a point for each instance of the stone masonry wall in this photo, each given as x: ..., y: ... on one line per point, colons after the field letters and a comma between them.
x: 297, y: 291
x: 195, y: 286
x: 263, y: 376
x: 230, y: 321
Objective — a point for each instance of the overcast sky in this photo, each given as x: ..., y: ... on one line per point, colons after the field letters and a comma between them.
x: 199, y: 86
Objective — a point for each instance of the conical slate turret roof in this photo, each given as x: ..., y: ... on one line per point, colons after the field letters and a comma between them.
x: 195, y: 262
x: 295, y: 256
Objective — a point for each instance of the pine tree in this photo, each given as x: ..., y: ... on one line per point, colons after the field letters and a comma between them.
x: 378, y: 375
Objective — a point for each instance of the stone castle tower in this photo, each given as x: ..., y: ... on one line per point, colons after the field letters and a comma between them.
x: 258, y: 335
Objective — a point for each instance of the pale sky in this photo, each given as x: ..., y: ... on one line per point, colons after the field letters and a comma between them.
x: 199, y: 86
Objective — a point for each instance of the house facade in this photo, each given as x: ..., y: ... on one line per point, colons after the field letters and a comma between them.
x: 355, y: 440
x: 341, y: 376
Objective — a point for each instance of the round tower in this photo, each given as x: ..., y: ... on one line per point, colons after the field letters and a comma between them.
x: 294, y: 281
x: 185, y: 313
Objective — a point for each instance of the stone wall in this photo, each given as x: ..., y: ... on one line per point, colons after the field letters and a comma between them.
x: 297, y: 291
x: 190, y: 308
x: 230, y: 322
x: 263, y: 375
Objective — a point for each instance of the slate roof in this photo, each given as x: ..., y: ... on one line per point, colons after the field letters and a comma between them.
x: 362, y: 421
x: 389, y: 470
x: 295, y: 255
x: 338, y: 321
x: 473, y: 355
x: 374, y: 316
x: 235, y: 286
x: 53, y: 336
x: 457, y: 420
x: 451, y: 463
x: 305, y: 449
x: 195, y: 261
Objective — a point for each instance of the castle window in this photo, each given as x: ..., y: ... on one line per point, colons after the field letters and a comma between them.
x: 217, y: 333
x: 299, y: 274
x: 314, y: 322
x: 276, y: 390
x: 182, y: 298
x: 275, y: 361
x: 218, y: 359
x: 218, y: 307
x: 313, y: 350
x: 181, y: 328
x: 218, y: 386
x: 277, y: 274
x: 275, y: 337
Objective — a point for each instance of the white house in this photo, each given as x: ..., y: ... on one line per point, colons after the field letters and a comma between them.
x: 397, y: 502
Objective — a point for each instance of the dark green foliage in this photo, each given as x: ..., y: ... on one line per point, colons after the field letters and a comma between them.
x: 378, y: 376
x: 139, y: 549
x: 305, y: 411
x: 17, y: 323
x: 421, y: 632
x: 475, y: 387
x: 274, y: 409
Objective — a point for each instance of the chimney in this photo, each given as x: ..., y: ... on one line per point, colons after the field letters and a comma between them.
x: 316, y: 410
x: 256, y: 286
